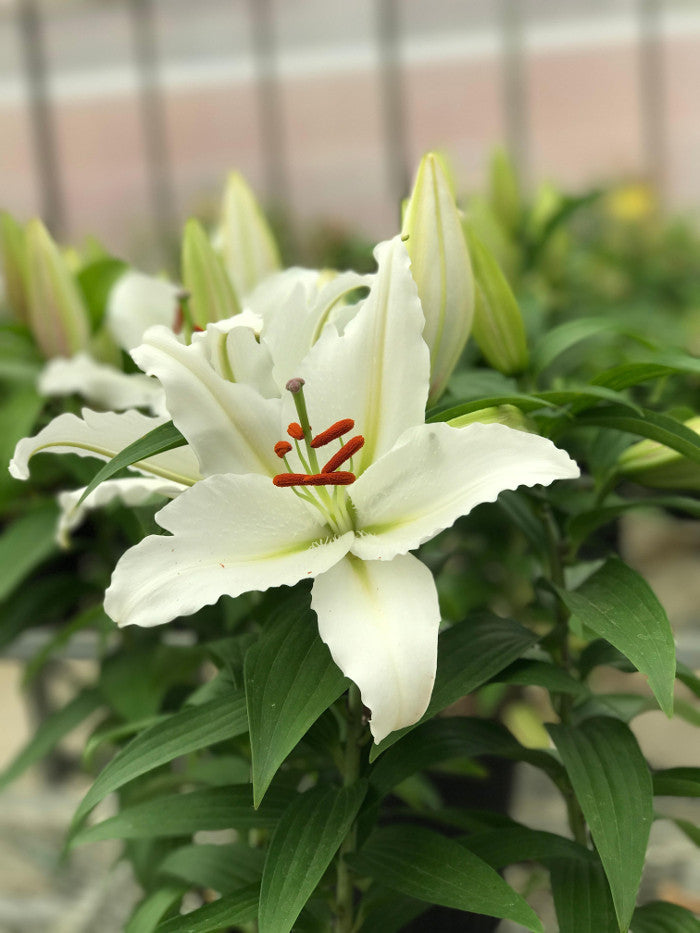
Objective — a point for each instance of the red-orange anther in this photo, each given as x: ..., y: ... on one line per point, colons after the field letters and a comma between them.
x: 335, y: 431
x: 282, y: 448
x: 296, y: 431
x: 289, y: 479
x: 340, y: 478
x: 345, y: 452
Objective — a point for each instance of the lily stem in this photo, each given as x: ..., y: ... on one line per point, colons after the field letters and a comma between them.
x: 563, y: 702
x: 344, y: 891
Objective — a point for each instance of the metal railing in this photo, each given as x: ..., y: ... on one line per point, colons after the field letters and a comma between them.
x: 388, y: 26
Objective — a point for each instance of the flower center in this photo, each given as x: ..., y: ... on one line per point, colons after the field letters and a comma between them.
x: 335, y: 506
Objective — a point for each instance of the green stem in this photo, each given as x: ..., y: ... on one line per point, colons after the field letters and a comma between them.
x: 563, y: 702
x: 344, y: 891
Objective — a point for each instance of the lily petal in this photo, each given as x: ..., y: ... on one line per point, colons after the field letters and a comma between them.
x: 230, y: 426
x: 131, y: 491
x: 100, y: 384
x: 436, y: 473
x: 293, y: 327
x: 137, y: 302
x: 377, y: 372
x: 102, y: 435
x: 230, y: 534
x: 380, y: 620
x: 234, y: 349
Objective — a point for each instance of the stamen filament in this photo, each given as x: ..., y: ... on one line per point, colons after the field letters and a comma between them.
x: 345, y: 452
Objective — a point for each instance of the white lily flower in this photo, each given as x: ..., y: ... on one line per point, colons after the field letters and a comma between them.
x: 349, y: 522
x: 103, y: 435
x: 101, y: 384
x: 137, y: 302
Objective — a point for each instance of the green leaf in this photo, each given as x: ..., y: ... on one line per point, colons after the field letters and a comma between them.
x: 290, y: 679
x: 445, y: 739
x: 238, y: 908
x: 185, y: 814
x: 523, y: 402
x: 507, y: 845
x: 151, y: 910
x: 307, y: 837
x: 469, y: 654
x: 662, y: 917
x: 25, y: 543
x: 582, y: 897
x: 662, y: 364
x: 95, y: 282
x: 620, y: 606
x: 612, y: 784
x: 579, y: 399
x: 385, y: 911
x: 223, y: 868
x: 50, y: 733
x: 541, y: 674
x: 662, y: 428
x: 689, y: 829
x: 92, y: 617
x: 560, y: 339
x: 159, y: 440
x: 180, y: 734
x: 420, y: 863
x: 677, y: 782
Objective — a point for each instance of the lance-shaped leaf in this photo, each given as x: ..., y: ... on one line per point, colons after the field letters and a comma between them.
x: 25, y: 544
x: 581, y: 896
x: 498, y: 324
x: 153, y: 908
x: 617, y: 604
x: 12, y: 264
x: 212, y: 297
x: 185, y: 814
x: 664, y: 917
x: 677, y: 782
x: 306, y: 838
x: 180, y: 734
x: 290, y: 680
x: 57, y: 314
x: 441, y: 269
x: 422, y: 864
x: 238, y: 908
x: 161, y: 439
x: 225, y: 868
x: 612, y: 784
x: 244, y: 238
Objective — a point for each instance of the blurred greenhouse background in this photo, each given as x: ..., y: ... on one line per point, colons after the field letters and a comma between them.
x: 123, y: 116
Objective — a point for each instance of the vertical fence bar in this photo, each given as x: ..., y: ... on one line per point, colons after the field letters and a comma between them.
x: 153, y: 124
x: 270, y: 110
x: 393, y: 100
x: 515, y: 96
x: 652, y: 91
x: 41, y: 116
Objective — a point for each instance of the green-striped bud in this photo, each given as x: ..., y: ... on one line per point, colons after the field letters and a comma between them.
x: 441, y: 269
x: 509, y: 415
x: 498, y: 324
x: 12, y: 263
x: 654, y: 464
x: 56, y: 311
x: 244, y: 238
x: 211, y: 294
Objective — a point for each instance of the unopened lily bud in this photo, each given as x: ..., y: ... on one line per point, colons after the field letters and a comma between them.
x: 56, y: 310
x: 212, y: 296
x: 509, y: 415
x: 504, y: 190
x: 654, y: 464
x: 244, y: 238
x: 498, y: 325
x: 12, y: 262
x: 434, y: 238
